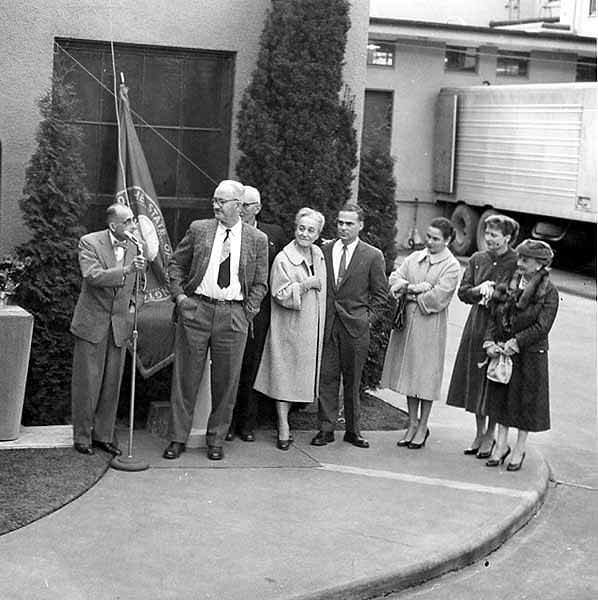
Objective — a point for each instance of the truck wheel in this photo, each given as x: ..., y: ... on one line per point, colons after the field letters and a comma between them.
x: 465, y: 219
x: 481, y: 242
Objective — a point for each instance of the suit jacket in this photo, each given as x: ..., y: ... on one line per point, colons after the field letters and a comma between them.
x: 276, y: 239
x: 359, y: 299
x: 190, y: 260
x: 106, y: 292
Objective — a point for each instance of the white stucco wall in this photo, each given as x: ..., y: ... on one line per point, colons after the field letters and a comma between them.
x: 28, y: 29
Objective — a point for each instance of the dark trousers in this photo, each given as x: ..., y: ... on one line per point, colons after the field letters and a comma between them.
x: 95, y: 389
x: 222, y: 328
x: 347, y: 355
x: 246, y: 408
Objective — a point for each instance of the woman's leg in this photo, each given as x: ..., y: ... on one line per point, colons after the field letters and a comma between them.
x: 412, y: 408
x: 519, y: 449
x: 422, y: 427
x: 501, y: 442
x: 480, y: 430
x: 282, y: 410
x: 487, y: 438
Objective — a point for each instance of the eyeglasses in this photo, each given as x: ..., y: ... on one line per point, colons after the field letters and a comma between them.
x: 222, y: 202
x: 248, y: 204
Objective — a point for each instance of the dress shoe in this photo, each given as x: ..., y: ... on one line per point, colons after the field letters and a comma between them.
x: 356, y: 440
x: 248, y: 437
x: 107, y: 447
x: 404, y: 442
x: 230, y: 436
x: 487, y: 454
x: 494, y: 462
x: 322, y: 438
x: 215, y: 453
x: 516, y: 466
x: 83, y: 448
x: 174, y: 450
x: 471, y: 450
x: 283, y: 444
x: 414, y: 446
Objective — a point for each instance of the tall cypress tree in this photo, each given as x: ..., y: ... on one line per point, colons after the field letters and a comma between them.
x: 53, y: 204
x: 295, y: 131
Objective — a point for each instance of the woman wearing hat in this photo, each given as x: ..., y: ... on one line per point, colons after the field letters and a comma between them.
x: 484, y: 272
x: 525, y: 311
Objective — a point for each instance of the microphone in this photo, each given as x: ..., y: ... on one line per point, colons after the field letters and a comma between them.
x: 135, y: 241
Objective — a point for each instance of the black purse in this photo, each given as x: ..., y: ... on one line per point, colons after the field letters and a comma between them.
x: 398, y: 320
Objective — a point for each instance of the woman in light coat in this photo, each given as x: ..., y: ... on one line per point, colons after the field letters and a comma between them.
x: 289, y: 370
x: 415, y: 356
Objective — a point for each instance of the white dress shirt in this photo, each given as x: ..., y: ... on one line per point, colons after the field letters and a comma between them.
x: 337, y: 251
x: 209, y: 284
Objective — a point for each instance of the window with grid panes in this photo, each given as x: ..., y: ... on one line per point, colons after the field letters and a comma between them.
x: 381, y: 54
x: 512, y: 64
x: 457, y: 58
x: 184, y: 96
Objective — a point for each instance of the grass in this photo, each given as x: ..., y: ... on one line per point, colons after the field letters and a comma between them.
x: 36, y: 482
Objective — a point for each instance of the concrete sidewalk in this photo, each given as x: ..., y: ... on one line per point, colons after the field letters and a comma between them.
x: 335, y: 522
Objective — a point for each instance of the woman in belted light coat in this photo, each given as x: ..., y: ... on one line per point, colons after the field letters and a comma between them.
x: 289, y: 370
x: 414, y: 359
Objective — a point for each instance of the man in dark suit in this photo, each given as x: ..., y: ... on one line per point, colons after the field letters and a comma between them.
x: 218, y: 278
x: 246, y: 410
x: 102, y: 324
x: 356, y: 292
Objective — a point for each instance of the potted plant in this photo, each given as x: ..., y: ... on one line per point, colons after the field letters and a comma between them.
x: 11, y: 272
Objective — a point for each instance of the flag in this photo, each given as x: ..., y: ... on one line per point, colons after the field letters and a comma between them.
x: 134, y: 187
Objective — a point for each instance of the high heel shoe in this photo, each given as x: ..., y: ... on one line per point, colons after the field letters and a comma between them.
x: 283, y: 444
x: 516, y: 466
x: 494, y: 462
x: 471, y: 450
x: 414, y: 446
x: 405, y: 441
x: 487, y: 454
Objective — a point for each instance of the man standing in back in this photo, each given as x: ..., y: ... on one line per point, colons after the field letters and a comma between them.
x: 218, y: 277
x: 356, y: 292
x: 246, y: 410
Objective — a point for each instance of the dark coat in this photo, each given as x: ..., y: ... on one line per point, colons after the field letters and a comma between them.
x: 528, y: 317
x: 467, y: 381
x: 359, y: 299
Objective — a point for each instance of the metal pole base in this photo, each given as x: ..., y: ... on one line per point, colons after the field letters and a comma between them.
x: 128, y: 463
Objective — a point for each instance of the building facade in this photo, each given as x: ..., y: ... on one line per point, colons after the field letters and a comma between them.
x: 187, y: 64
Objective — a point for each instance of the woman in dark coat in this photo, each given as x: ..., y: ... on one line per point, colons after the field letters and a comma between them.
x: 525, y: 311
x: 485, y: 270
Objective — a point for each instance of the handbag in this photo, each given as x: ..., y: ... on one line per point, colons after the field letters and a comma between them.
x: 398, y: 319
x: 500, y: 369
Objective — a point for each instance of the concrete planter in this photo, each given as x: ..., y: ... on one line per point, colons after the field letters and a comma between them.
x: 16, y: 329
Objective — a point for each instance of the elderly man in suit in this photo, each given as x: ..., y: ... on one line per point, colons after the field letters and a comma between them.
x: 218, y: 277
x: 246, y: 409
x: 356, y: 292
x: 102, y: 324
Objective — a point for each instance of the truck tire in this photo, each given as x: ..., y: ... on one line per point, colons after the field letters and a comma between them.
x: 481, y: 242
x: 465, y: 219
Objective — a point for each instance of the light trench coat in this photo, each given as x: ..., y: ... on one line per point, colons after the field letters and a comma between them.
x: 414, y: 359
x: 290, y: 366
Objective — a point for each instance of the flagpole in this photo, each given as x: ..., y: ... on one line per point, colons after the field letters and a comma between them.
x: 129, y: 462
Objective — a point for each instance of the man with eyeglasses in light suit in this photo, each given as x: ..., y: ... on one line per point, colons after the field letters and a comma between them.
x: 245, y: 414
x: 218, y: 277
x: 102, y: 323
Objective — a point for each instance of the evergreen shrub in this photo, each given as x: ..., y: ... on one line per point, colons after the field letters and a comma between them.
x: 295, y: 125
x: 377, y: 198
x: 53, y: 204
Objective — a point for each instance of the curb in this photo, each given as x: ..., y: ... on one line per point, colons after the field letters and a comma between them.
x: 459, y: 557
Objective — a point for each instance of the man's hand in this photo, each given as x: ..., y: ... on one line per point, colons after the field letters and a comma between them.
x: 138, y: 265
x: 184, y: 302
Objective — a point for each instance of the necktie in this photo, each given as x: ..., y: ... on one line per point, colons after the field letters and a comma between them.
x: 342, y: 268
x: 224, y: 269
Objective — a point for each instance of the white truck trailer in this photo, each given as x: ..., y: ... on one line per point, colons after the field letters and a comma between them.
x: 524, y: 150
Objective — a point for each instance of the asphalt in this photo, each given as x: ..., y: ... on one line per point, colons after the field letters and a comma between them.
x: 333, y: 523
